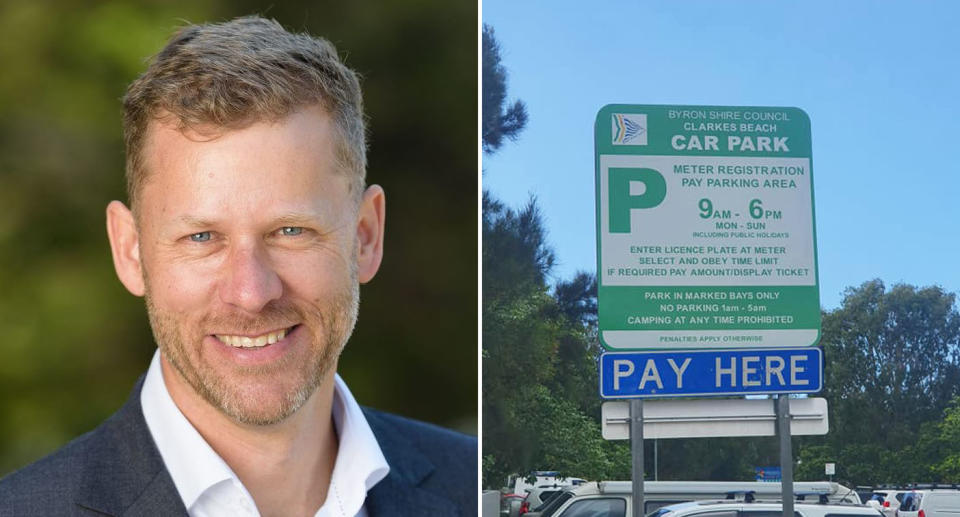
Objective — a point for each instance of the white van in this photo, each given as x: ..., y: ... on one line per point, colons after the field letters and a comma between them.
x: 541, y: 479
x: 621, y: 506
x: 930, y: 503
x: 663, y: 493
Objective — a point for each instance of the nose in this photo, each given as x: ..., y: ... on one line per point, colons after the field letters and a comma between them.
x: 249, y: 281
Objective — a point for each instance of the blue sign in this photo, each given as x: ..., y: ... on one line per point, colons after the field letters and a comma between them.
x: 768, y: 473
x: 697, y: 373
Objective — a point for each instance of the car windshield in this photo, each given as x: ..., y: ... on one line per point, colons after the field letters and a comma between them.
x: 547, y: 497
x: 555, y: 502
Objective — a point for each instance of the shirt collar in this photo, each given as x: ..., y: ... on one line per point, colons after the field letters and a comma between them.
x: 360, y: 462
x: 195, y: 467
x: 192, y: 463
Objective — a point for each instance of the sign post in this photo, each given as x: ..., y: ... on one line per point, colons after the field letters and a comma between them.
x: 636, y: 453
x: 706, y: 243
x: 786, y: 453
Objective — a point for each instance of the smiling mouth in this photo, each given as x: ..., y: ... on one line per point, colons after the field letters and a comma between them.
x: 256, y: 341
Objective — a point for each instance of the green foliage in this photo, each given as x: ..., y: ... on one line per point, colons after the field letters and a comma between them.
x: 570, y: 441
x: 712, y: 458
x: 540, y: 405
x: 75, y: 340
x: 499, y: 121
x: 891, y: 370
x: 811, y: 460
x: 947, y: 469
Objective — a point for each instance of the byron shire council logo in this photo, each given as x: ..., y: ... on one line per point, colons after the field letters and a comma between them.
x: 629, y: 129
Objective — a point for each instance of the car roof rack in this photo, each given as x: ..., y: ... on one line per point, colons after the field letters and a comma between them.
x: 916, y: 486
x: 749, y: 496
x: 821, y: 497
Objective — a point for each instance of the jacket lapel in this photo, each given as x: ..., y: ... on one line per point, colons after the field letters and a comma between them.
x: 125, y: 475
x: 394, y: 496
x: 123, y: 471
x: 399, y: 493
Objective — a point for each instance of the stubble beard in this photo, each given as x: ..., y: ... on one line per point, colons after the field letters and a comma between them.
x: 235, y: 393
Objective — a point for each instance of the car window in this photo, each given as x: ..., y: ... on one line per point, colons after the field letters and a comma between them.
x: 551, y: 506
x: 546, y: 500
x: 910, y: 502
x: 546, y: 494
x: 600, y: 507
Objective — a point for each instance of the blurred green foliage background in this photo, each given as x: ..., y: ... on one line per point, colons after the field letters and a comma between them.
x: 74, y: 341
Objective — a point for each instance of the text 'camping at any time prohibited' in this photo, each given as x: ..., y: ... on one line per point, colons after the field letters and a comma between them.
x: 705, y: 228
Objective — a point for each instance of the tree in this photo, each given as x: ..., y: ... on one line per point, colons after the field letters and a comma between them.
x: 499, y: 118
x: 948, y: 434
x: 515, y: 253
x: 891, y: 369
x: 891, y: 353
x: 540, y: 405
x: 578, y: 298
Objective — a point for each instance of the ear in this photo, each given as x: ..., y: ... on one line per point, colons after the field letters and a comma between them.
x: 125, y: 245
x: 370, y: 226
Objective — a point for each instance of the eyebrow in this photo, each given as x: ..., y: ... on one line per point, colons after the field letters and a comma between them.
x: 193, y: 221
x: 286, y: 219
x: 296, y: 219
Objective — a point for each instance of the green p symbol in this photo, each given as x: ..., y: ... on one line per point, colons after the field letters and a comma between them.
x: 622, y: 200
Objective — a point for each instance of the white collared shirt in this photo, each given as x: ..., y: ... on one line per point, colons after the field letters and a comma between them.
x: 209, y: 487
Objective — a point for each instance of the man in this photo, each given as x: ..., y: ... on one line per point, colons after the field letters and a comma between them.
x: 248, y: 233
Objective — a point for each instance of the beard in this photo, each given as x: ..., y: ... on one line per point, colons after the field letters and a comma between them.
x: 266, y: 394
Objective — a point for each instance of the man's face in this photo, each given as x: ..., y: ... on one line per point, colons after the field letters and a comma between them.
x: 248, y: 244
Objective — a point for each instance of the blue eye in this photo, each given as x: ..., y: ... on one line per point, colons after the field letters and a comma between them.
x: 291, y: 231
x: 200, y: 237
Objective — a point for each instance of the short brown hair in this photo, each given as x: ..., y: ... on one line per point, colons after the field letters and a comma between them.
x: 233, y: 74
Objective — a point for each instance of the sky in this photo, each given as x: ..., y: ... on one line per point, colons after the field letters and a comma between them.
x: 879, y: 80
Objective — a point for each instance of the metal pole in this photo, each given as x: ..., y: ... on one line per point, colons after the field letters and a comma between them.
x: 636, y: 450
x: 786, y: 454
x: 656, y: 462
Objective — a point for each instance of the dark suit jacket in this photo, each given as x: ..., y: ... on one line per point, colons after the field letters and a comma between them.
x: 117, y: 470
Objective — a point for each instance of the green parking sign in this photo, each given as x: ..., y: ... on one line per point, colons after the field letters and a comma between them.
x: 705, y: 228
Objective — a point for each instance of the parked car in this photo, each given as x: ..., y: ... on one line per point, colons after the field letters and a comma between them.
x: 762, y: 509
x: 664, y: 493
x: 538, y: 496
x: 885, y: 500
x: 930, y: 503
x: 510, y: 505
x: 910, y: 501
x: 520, y: 484
x: 892, y: 503
x: 621, y: 506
